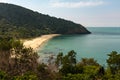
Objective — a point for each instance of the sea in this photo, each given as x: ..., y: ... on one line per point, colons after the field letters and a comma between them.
x: 101, y: 42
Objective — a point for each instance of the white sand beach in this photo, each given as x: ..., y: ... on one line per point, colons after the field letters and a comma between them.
x: 37, y: 42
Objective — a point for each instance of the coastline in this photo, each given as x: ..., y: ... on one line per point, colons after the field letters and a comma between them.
x: 39, y: 41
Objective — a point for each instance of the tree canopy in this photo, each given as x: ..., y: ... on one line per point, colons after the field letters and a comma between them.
x: 20, y: 22
x: 20, y: 63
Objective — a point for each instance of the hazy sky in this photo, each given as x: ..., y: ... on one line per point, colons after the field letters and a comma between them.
x: 90, y: 13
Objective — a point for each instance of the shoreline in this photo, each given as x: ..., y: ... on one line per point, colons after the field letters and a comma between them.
x: 35, y: 43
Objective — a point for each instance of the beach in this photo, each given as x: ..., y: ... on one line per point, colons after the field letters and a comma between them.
x: 39, y: 41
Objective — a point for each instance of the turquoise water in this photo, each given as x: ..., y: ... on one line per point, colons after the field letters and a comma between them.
x: 97, y: 45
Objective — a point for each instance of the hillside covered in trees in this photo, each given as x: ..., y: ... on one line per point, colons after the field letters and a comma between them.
x: 19, y: 22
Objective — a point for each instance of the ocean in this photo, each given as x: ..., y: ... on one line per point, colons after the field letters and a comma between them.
x: 97, y: 45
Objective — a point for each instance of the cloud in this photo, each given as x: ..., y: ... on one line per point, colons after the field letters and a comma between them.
x: 4, y: 1
x: 78, y: 4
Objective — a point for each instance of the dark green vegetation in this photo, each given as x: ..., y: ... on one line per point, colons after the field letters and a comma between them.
x: 88, y: 68
x: 20, y: 63
x: 19, y: 22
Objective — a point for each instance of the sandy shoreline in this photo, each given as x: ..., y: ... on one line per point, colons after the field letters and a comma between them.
x: 37, y: 42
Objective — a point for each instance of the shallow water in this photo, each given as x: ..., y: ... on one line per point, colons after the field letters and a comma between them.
x: 97, y: 45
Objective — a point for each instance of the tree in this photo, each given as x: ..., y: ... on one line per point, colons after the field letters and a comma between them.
x: 15, y: 58
x: 66, y: 63
x: 114, y: 62
x: 69, y: 59
x: 88, y: 62
x: 5, y: 52
x: 58, y: 60
x: 19, y: 22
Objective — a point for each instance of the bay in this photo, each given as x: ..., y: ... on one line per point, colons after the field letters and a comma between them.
x: 97, y: 45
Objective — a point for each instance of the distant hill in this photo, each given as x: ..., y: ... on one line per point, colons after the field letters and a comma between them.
x: 19, y: 22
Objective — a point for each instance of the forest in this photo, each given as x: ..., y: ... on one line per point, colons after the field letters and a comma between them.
x: 20, y: 63
x: 19, y: 22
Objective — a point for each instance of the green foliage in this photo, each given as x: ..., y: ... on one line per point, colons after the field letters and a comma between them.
x: 86, y: 69
x: 88, y: 62
x: 41, y: 68
x: 19, y: 22
x: 89, y: 73
x: 91, y: 70
x: 23, y: 65
x: 5, y: 45
x: 26, y: 76
x: 44, y: 73
x: 3, y: 75
x: 15, y: 58
x: 69, y: 59
x: 114, y: 62
x: 66, y: 62
x: 76, y: 77
x: 110, y: 76
x: 59, y: 59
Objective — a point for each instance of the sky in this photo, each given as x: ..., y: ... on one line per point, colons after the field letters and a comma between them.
x: 89, y: 13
